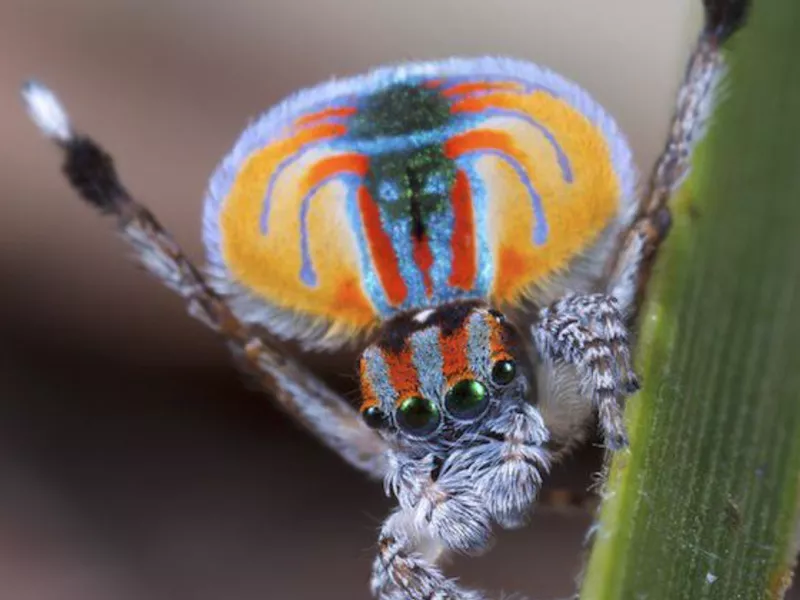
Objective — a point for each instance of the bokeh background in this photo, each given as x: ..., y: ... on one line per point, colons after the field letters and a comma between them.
x: 134, y: 465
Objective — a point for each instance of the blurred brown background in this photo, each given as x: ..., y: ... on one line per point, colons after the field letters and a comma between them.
x: 133, y: 463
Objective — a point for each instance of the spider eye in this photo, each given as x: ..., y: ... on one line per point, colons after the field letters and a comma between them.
x: 418, y: 416
x: 374, y: 417
x: 503, y: 372
x: 467, y: 399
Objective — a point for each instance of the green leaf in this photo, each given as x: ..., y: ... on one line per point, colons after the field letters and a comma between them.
x: 705, y: 503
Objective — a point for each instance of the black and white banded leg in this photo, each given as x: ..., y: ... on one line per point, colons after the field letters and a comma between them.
x: 449, y: 502
x: 439, y: 512
x: 589, y: 332
x: 695, y: 101
x: 299, y: 392
x: 405, y: 567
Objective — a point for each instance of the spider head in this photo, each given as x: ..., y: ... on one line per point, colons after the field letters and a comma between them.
x: 435, y: 375
x: 447, y: 388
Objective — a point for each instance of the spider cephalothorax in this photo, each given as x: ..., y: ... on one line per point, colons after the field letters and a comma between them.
x: 406, y: 204
x: 448, y: 389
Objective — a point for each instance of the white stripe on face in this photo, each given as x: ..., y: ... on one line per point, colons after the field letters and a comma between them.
x: 429, y: 363
x: 479, y: 349
x: 377, y: 373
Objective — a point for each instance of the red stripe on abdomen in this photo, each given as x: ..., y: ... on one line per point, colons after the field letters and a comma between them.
x: 357, y: 164
x: 462, y: 244
x: 380, y: 248
x: 423, y: 257
x: 481, y: 139
x: 328, y: 113
x: 481, y: 86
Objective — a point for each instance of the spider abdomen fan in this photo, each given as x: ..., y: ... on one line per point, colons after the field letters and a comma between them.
x: 410, y: 187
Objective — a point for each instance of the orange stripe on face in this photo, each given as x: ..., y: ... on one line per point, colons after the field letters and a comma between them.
x: 462, y: 244
x: 454, y: 352
x: 433, y: 83
x: 368, y: 396
x: 402, y: 374
x: 381, y: 249
x: 345, y: 111
x: 423, y: 257
x: 484, y: 86
x: 343, y: 163
x: 497, y: 339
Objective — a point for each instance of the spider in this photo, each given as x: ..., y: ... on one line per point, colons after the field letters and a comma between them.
x: 473, y: 227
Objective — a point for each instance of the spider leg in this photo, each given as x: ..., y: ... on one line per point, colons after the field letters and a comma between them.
x: 436, y: 514
x: 695, y: 100
x: 508, y: 466
x: 450, y: 504
x: 405, y: 569
x: 90, y: 170
x: 588, y: 332
x: 584, y: 339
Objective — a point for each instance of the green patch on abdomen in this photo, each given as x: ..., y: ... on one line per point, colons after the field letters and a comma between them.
x: 400, y: 110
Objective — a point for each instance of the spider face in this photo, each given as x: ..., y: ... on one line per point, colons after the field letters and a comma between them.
x: 436, y: 374
x: 446, y: 388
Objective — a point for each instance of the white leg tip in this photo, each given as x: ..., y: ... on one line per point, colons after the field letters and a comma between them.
x: 46, y: 111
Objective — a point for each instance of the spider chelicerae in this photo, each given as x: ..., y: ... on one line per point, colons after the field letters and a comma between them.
x: 473, y: 226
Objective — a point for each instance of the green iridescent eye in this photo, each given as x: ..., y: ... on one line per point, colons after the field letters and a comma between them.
x: 503, y: 372
x: 467, y: 399
x: 418, y: 416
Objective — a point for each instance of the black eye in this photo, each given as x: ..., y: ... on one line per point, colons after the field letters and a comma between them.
x: 418, y: 416
x: 374, y: 417
x: 503, y: 372
x: 467, y: 399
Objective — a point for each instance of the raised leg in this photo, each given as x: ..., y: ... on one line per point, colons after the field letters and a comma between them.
x: 695, y: 101
x: 590, y: 332
x: 299, y: 392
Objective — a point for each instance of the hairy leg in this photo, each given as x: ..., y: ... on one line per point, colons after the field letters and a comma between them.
x: 299, y: 392
x: 492, y: 475
x: 589, y: 333
x: 601, y: 355
x: 695, y: 100
x: 405, y: 569
x: 438, y: 512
